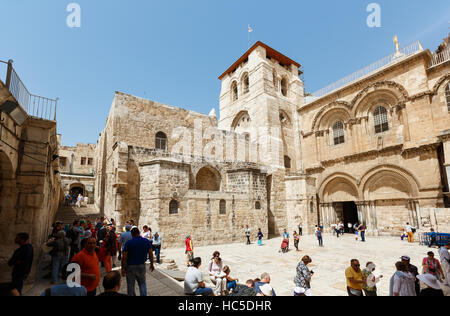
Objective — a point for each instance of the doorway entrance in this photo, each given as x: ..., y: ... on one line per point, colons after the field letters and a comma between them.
x: 350, y: 214
x: 76, y: 190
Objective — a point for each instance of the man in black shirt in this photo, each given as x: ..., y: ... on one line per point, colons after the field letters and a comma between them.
x: 112, y: 283
x: 21, y: 261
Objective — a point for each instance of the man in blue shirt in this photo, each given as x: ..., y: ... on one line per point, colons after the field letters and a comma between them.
x: 135, y: 254
x: 265, y: 279
x: 433, y: 238
x: 156, y: 244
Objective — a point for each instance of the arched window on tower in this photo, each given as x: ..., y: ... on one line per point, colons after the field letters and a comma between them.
x: 287, y: 162
x: 275, y: 81
x: 222, y: 207
x: 380, y: 117
x: 173, y: 207
x: 284, y: 86
x: 245, y: 84
x: 447, y: 96
x: 161, y: 141
x: 338, y: 133
x: 311, y: 207
x: 234, y: 91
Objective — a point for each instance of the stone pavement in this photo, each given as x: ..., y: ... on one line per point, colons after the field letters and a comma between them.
x: 329, y: 263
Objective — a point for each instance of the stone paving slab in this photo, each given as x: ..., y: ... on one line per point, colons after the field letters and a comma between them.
x: 329, y: 263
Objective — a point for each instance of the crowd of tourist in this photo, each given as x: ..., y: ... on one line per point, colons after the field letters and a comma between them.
x: 76, y: 200
x: 95, y: 245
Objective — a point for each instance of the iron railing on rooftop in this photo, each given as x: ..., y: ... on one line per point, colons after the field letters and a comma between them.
x: 440, y: 58
x: 405, y: 51
x: 34, y: 105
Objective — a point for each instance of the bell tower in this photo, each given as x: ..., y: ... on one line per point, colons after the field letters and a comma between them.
x: 259, y: 95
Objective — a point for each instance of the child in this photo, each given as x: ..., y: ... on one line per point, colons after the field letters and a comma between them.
x: 404, y: 236
x: 260, y: 237
x: 231, y: 283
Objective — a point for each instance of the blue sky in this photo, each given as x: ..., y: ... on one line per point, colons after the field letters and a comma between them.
x: 173, y: 51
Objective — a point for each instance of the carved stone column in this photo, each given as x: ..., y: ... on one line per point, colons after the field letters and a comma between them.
x: 418, y: 214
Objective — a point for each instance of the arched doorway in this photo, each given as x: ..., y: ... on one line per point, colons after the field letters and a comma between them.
x: 76, y: 189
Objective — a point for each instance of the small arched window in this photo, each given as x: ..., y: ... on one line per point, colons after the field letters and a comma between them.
x: 284, y: 86
x: 287, y: 162
x: 234, y: 91
x: 380, y: 117
x: 311, y: 206
x: 257, y: 205
x: 338, y: 133
x: 245, y: 84
x: 447, y: 96
x: 222, y: 207
x: 173, y: 207
x: 161, y: 141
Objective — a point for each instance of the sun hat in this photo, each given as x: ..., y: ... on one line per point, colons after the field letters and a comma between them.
x: 406, y: 258
x: 430, y: 280
x: 299, y: 290
x: 266, y: 289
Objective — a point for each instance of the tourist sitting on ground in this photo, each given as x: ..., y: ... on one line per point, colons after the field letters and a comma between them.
x: 65, y: 288
x: 432, y: 266
x: 370, y: 284
x: 402, y: 282
x: 266, y: 290
x: 265, y: 279
x: 215, y: 274
x: 231, y: 282
x: 432, y: 285
x: 303, y: 277
x: 245, y: 290
x: 193, y: 280
x: 111, y: 283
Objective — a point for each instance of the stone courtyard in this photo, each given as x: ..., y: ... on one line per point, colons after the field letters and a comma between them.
x: 329, y: 263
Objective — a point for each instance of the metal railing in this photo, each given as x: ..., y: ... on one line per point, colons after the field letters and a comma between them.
x: 440, y: 58
x: 405, y: 51
x: 34, y: 105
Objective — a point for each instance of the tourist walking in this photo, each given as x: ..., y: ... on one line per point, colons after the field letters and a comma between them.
x: 319, y: 236
x: 123, y: 239
x: 216, y: 274
x: 156, y: 245
x: 355, y: 279
x: 402, y: 282
x: 445, y: 263
x: 260, y: 237
x: 433, y: 287
x: 247, y: 234
x: 303, y: 276
x: 370, y: 280
x: 409, y: 231
x: 134, y: 255
x: 296, y: 240
x: 189, y: 250
x: 193, y: 280
x: 59, y: 253
x: 74, y: 235
x: 90, y: 266
x: 413, y: 270
x: 21, y: 261
x: 362, y: 230
x: 356, y: 231
x: 300, y: 229
x: 432, y: 266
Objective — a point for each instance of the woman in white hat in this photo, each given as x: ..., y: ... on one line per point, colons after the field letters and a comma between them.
x: 433, y: 286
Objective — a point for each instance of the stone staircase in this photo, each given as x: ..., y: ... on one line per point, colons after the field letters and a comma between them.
x: 68, y: 214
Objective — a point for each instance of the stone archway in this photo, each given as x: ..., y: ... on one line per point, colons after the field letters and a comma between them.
x: 208, y: 179
x: 77, y: 188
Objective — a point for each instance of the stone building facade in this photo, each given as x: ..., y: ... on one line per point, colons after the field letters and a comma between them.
x: 29, y: 179
x: 76, y: 165
x: 374, y: 150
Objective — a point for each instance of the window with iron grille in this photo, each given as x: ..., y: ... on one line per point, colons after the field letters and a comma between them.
x: 381, y: 120
x: 161, y: 141
x: 173, y: 207
x: 338, y: 133
x: 222, y: 207
x: 447, y: 96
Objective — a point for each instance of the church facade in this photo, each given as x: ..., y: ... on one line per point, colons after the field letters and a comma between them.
x: 374, y: 149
